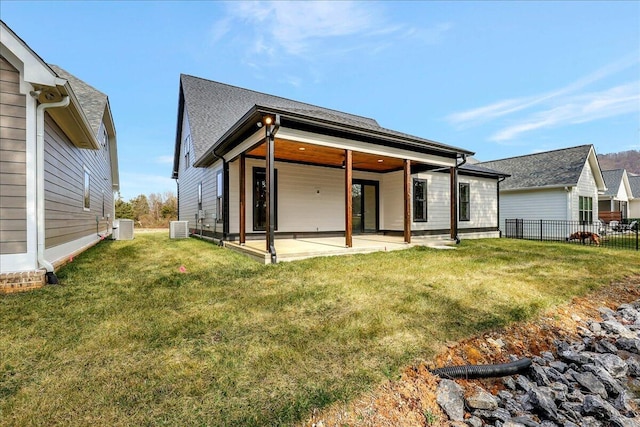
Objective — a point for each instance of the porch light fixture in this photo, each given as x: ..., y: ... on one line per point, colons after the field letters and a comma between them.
x: 268, y: 120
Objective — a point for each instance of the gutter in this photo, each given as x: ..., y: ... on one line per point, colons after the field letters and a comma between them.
x: 40, y: 211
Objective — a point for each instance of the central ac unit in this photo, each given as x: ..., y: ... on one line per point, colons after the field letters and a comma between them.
x: 123, y: 229
x: 179, y: 229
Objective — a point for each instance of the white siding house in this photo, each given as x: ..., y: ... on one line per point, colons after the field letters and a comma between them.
x: 554, y: 185
x: 58, y: 166
x: 255, y: 166
x: 615, y: 202
x: 634, y: 204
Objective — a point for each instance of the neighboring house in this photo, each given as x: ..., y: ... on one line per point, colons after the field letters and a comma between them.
x: 554, y: 185
x: 613, y: 204
x: 634, y: 204
x: 251, y: 165
x: 58, y: 166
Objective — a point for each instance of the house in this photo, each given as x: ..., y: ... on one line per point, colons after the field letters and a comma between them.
x: 58, y: 166
x: 613, y: 204
x: 634, y: 204
x: 554, y: 185
x: 255, y: 166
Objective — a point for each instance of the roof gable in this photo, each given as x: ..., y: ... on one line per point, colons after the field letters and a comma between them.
x: 213, y: 108
x: 616, y: 180
x: 557, y: 168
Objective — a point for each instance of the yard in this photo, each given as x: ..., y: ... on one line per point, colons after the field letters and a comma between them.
x: 180, y: 332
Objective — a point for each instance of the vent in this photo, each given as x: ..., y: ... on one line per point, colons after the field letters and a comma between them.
x: 123, y: 229
x: 179, y: 229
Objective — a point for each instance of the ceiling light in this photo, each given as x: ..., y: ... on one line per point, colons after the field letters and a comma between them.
x: 268, y: 120
x: 301, y: 148
x: 380, y: 160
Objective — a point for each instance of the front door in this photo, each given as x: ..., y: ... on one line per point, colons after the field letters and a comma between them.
x: 364, y: 197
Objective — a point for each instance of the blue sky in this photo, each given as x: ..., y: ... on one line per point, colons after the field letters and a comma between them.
x: 498, y: 78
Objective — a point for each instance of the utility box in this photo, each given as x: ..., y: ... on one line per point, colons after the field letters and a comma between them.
x: 179, y: 229
x: 123, y: 229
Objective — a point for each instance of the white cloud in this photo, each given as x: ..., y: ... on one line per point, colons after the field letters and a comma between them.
x: 583, y: 108
x: 164, y: 160
x: 508, y: 106
x: 311, y: 28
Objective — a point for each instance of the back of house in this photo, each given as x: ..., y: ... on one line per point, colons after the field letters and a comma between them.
x: 58, y: 166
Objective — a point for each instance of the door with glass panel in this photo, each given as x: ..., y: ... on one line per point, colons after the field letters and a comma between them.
x: 364, y: 198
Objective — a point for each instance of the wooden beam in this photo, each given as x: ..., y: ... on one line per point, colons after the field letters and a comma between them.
x: 407, y: 201
x: 348, y: 201
x: 243, y: 199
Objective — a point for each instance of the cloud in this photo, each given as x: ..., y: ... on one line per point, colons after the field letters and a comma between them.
x: 164, y: 160
x: 505, y: 107
x: 312, y: 28
x: 583, y: 108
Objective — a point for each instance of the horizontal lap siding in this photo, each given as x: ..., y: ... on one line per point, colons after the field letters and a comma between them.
x: 13, y: 202
x: 484, y: 202
x: 539, y: 204
x: 586, y: 187
x: 65, y: 217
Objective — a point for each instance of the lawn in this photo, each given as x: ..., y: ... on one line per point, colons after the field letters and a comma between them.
x: 131, y: 339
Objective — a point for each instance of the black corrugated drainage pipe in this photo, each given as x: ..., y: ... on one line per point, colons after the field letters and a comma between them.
x: 483, y: 371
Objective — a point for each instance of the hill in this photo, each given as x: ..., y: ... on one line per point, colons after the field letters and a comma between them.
x: 629, y: 160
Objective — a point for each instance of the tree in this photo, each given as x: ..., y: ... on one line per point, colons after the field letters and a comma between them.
x: 140, y: 206
x: 123, y: 209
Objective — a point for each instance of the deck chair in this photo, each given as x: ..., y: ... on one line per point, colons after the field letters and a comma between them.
x: 629, y: 227
x: 614, y: 225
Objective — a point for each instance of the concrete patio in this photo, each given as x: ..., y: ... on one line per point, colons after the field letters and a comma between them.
x: 301, y: 248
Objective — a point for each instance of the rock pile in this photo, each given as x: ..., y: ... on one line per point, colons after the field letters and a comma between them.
x: 592, y: 383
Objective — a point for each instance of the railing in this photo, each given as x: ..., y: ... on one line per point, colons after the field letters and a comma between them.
x: 623, y: 235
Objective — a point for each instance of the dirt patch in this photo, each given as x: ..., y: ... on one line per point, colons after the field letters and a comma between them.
x: 411, y: 401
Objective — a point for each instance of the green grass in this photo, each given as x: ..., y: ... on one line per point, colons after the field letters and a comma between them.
x: 130, y: 340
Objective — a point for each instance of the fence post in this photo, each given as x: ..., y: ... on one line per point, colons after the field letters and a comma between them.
x: 541, y: 230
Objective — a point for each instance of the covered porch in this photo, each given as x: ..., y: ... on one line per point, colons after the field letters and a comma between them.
x: 293, y: 249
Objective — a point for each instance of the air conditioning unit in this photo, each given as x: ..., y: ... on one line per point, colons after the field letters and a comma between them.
x: 123, y: 229
x: 179, y: 229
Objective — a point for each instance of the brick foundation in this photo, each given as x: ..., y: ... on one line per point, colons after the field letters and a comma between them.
x: 22, y: 281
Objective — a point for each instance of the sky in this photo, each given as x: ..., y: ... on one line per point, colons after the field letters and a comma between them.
x: 501, y: 79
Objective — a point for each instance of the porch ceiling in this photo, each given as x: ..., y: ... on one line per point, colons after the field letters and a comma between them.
x: 286, y: 150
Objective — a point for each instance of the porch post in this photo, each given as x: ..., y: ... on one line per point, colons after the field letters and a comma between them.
x: 348, y: 202
x: 243, y: 200
x: 453, y: 173
x: 407, y: 201
x: 270, y: 181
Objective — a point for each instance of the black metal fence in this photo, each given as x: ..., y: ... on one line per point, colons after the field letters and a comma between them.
x: 623, y: 235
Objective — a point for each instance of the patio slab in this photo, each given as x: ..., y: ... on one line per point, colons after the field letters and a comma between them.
x: 296, y: 249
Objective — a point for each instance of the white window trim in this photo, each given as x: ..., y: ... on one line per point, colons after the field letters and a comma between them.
x: 86, y: 187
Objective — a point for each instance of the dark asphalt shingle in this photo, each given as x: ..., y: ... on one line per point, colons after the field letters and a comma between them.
x: 613, y: 180
x: 549, y: 169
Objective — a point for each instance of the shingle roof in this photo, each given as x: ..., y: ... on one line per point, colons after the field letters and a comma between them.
x: 612, y: 179
x: 549, y: 169
x: 634, y: 182
x: 213, y: 108
x: 92, y: 101
x: 471, y: 167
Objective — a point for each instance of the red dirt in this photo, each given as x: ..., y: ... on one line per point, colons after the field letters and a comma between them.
x: 411, y: 400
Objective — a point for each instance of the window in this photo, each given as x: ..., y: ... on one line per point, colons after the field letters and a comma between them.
x: 219, y: 197
x: 187, y: 151
x: 260, y: 199
x: 585, y: 209
x: 103, y: 203
x: 87, y: 191
x: 200, y: 196
x: 419, y: 200
x: 465, y: 202
x: 105, y: 138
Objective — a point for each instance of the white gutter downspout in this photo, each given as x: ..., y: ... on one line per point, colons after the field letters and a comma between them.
x: 40, y: 226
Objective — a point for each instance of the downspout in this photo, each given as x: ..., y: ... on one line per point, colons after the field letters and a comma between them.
x: 456, y: 196
x: 40, y: 211
x: 500, y: 179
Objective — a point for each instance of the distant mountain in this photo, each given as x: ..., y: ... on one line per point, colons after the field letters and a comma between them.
x: 629, y: 160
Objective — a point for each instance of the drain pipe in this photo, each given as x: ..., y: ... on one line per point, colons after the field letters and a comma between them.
x: 484, y: 371
x: 40, y: 227
x: 457, y: 196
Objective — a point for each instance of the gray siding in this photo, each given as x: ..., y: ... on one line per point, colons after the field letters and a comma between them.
x: 65, y: 217
x: 13, y: 202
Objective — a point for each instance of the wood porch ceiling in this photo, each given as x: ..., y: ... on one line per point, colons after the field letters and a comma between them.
x: 292, y: 151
